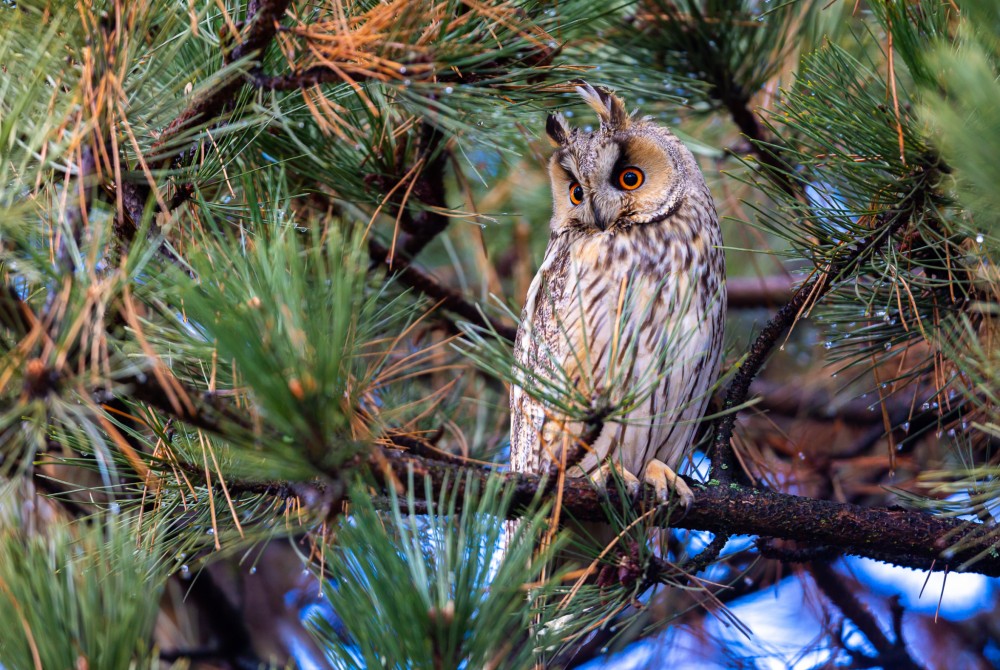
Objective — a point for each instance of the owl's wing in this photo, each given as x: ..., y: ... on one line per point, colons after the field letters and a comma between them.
x: 544, y: 353
x: 563, y: 346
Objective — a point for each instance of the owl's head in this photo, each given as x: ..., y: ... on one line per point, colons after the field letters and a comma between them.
x: 628, y: 172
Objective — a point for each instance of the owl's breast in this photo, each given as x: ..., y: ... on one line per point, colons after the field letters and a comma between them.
x: 624, y: 319
x: 676, y: 258
x: 636, y: 252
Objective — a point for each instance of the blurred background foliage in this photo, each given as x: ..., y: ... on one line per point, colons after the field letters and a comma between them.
x: 234, y: 279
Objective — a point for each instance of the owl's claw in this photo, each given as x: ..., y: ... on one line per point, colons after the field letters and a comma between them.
x: 663, y: 479
x: 602, y: 478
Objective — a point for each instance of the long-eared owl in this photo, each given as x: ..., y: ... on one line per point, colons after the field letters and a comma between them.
x: 624, y: 319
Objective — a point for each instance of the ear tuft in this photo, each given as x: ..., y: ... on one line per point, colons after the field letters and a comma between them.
x: 557, y: 129
x: 608, y: 106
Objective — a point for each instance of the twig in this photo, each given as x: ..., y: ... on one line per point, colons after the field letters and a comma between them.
x: 203, y: 411
x: 707, y: 556
x: 890, y: 654
x: 424, y: 447
x: 296, y: 80
x: 75, y: 211
x: 450, y: 299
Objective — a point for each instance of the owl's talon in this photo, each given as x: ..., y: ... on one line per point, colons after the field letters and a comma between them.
x: 664, y: 481
x: 602, y: 478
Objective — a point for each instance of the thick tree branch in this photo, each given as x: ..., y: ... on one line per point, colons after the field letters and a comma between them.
x: 767, y: 154
x: 903, y: 537
x: 753, y: 292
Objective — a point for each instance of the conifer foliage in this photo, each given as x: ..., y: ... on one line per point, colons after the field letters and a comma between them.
x: 260, y: 269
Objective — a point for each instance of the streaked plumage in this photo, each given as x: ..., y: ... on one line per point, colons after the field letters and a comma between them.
x: 629, y: 300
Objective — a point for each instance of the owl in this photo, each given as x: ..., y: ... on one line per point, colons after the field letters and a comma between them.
x: 623, y: 320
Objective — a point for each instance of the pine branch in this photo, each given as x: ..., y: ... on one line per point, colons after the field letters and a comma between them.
x: 902, y: 537
x: 201, y: 111
x: 421, y: 229
x: 724, y: 461
x: 262, y: 30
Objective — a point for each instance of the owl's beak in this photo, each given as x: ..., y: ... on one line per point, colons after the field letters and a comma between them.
x: 603, y: 216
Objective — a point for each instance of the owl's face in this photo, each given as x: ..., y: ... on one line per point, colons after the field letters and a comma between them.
x: 628, y: 172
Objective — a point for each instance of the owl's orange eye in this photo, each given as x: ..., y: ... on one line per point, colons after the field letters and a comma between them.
x: 630, y: 178
x: 575, y: 193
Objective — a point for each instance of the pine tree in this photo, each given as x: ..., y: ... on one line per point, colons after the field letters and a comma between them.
x: 261, y: 268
